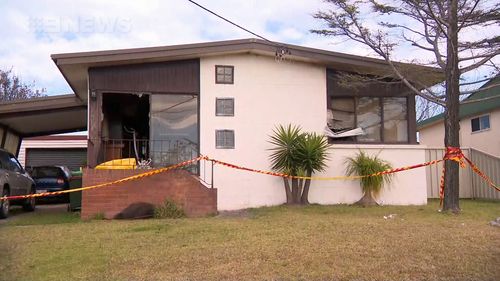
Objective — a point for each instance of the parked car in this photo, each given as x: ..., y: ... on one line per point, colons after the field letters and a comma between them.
x: 14, y: 180
x: 51, y: 179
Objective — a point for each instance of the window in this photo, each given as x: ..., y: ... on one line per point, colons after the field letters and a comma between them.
x: 224, y: 107
x: 174, y: 129
x: 224, y: 139
x: 15, y: 166
x: 4, y: 160
x: 382, y: 119
x: 224, y: 74
x: 369, y: 118
x: 480, y: 123
x: 395, y: 119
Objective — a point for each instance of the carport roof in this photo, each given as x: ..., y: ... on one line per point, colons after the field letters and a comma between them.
x: 43, y: 116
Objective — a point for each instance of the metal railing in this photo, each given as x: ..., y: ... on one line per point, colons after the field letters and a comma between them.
x: 471, y: 185
x: 156, y: 153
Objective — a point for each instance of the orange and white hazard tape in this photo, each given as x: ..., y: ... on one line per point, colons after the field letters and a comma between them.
x: 453, y: 154
x: 456, y: 154
x: 131, y: 178
x: 390, y: 171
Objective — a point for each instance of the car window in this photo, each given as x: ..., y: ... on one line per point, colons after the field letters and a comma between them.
x: 16, y: 167
x: 47, y: 172
x: 66, y: 171
x: 4, y: 160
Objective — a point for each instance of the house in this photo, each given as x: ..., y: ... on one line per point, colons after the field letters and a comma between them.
x: 479, y: 122
x: 223, y: 99
x: 63, y: 150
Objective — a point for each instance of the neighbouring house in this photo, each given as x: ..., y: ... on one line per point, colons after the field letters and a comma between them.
x: 479, y: 122
x: 223, y: 99
x: 60, y: 150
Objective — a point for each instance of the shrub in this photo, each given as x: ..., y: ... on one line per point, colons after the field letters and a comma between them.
x: 168, y: 210
x: 98, y: 216
x: 363, y: 164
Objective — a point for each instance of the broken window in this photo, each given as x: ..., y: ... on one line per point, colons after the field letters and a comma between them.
x: 368, y: 119
x: 174, y: 128
x: 395, y: 119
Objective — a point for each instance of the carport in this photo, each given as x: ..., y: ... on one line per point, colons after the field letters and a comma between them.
x: 38, y: 117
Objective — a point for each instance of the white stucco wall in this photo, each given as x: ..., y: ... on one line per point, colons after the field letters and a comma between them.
x: 487, y: 140
x: 268, y: 93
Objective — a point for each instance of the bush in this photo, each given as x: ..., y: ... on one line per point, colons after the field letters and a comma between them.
x: 169, y: 210
x: 98, y: 216
x: 363, y: 164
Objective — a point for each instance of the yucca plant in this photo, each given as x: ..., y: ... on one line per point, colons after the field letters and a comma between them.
x: 364, y: 164
x: 312, y: 153
x: 296, y: 153
x: 284, y: 156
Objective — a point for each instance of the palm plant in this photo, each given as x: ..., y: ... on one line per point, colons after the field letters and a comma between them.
x: 364, y: 164
x: 312, y: 155
x: 284, y: 155
x: 296, y: 153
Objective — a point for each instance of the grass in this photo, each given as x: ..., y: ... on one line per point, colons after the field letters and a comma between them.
x: 276, y: 243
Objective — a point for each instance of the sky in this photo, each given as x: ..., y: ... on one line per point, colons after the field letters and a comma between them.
x: 33, y: 30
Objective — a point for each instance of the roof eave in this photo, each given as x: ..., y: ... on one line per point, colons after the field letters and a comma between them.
x: 366, y: 65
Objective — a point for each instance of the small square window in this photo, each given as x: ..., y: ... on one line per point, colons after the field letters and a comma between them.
x: 224, y: 74
x: 224, y: 107
x: 224, y: 139
x: 480, y: 123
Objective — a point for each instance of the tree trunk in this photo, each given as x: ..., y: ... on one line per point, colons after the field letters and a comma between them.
x: 367, y: 200
x: 304, y: 199
x: 295, y: 189
x: 299, y: 191
x: 288, y: 192
x: 452, y: 125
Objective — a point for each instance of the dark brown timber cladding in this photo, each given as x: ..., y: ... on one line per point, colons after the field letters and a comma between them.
x: 165, y: 77
x: 178, y: 185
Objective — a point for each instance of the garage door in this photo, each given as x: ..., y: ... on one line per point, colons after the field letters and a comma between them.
x: 73, y: 158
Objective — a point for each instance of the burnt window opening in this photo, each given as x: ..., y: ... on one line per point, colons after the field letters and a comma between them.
x: 125, y: 118
x: 160, y: 129
x: 373, y: 110
x: 369, y: 119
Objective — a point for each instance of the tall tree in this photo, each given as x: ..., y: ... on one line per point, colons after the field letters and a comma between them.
x: 454, y: 32
x: 12, y: 88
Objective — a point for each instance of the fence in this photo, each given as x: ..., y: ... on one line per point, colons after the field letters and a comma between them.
x: 471, y: 185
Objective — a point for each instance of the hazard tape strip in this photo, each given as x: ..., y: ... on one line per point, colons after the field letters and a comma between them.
x: 456, y: 154
x: 131, y: 178
x: 453, y: 154
x: 390, y: 171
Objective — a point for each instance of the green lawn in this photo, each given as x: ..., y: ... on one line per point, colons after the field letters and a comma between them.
x: 278, y: 243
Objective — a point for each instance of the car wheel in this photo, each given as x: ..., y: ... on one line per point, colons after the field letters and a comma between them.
x: 29, y: 204
x: 4, y: 205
